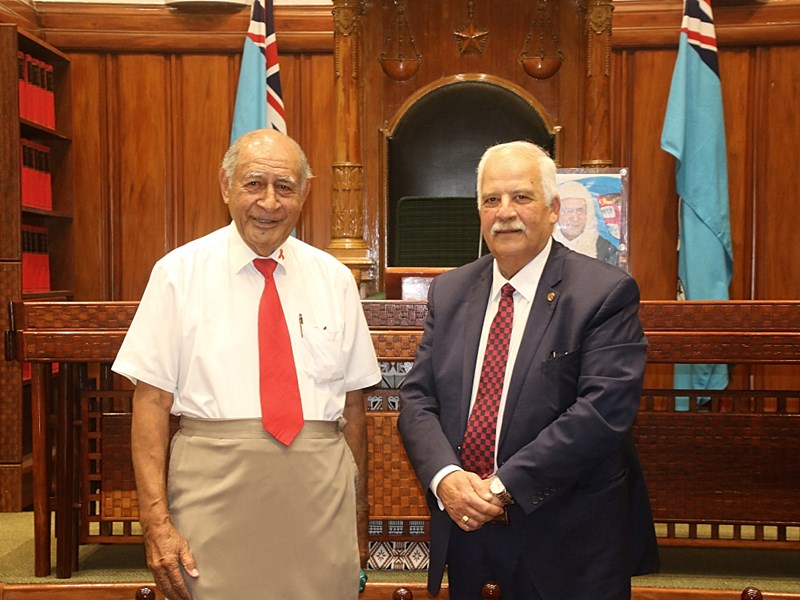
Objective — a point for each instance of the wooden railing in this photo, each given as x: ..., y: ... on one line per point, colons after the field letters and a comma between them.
x: 726, y: 474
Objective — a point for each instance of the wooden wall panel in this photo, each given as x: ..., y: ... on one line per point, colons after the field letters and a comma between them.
x: 90, y: 206
x: 201, y: 121
x: 152, y: 129
x: 737, y: 96
x: 653, y: 214
x: 143, y: 180
x: 777, y: 201
x: 312, y: 115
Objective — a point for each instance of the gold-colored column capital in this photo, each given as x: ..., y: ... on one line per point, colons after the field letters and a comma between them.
x: 598, y: 20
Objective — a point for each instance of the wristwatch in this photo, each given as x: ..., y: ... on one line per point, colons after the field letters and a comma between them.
x: 499, y: 491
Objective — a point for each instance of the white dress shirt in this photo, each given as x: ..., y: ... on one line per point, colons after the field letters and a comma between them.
x: 195, y: 332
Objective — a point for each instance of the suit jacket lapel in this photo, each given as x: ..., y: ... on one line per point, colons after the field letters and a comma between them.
x: 477, y: 297
x: 544, y: 305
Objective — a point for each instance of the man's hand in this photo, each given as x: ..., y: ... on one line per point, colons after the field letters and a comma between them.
x: 166, y: 551
x: 467, y: 499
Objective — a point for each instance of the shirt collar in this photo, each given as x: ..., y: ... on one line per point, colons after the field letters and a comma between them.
x: 241, y: 255
x: 526, y: 279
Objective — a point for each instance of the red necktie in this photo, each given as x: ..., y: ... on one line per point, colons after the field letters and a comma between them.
x: 281, y: 409
x: 479, y: 438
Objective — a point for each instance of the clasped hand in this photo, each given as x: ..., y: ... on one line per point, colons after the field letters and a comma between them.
x: 467, y: 499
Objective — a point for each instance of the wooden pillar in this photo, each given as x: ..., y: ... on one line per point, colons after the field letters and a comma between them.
x: 597, y: 150
x: 347, y: 223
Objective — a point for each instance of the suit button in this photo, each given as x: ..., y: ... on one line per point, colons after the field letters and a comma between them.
x: 536, y: 501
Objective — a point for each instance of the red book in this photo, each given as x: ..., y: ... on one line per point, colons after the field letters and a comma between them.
x: 35, y: 197
x: 23, y: 83
x: 41, y: 91
x: 35, y: 259
x: 25, y: 177
x: 49, y: 97
x: 33, y: 93
x: 26, y: 111
x: 41, y: 188
x: 46, y: 194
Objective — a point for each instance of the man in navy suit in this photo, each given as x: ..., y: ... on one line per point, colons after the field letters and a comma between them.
x: 561, y: 512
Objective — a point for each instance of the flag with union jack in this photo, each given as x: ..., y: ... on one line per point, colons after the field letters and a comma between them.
x: 694, y: 133
x: 258, y: 98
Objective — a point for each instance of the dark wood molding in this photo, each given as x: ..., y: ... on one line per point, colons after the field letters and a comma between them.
x: 20, y: 13
x: 131, y: 28
x: 654, y: 23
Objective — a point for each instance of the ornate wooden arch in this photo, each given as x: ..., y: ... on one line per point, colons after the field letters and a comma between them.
x: 432, y: 145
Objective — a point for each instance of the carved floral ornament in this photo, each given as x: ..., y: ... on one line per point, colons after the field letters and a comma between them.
x: 346, y: 15
x: 347, y: 213
x: 598, y: 24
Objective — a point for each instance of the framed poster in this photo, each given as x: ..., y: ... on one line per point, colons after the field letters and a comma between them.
x: 594, y: 213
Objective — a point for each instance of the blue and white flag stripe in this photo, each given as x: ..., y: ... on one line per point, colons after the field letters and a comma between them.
x: 259, y: 101
x: 698, y: 25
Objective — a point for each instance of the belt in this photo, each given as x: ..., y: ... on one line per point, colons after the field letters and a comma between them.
x: 501, y: 519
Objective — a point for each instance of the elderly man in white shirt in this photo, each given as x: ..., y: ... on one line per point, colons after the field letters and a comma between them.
x: 236, y: 512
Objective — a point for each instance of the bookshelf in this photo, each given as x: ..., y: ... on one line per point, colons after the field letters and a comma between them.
x: 35, y: 220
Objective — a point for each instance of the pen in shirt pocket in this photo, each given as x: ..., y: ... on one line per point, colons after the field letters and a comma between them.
x: 300, y: 320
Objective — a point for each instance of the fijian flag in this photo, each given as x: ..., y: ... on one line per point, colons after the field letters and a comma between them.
x: 694, y: 132
x: 258, y: 98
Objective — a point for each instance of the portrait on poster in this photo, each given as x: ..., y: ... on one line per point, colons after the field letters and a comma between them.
x: 594, y: 213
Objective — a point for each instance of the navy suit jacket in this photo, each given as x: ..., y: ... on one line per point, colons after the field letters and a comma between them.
x: 582, y: 516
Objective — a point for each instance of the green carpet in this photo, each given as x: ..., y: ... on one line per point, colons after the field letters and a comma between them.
x: 776, y: 571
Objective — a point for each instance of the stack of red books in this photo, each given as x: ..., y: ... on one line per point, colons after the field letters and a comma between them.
x: 36, y: 90
x: 35, y: 260
x: 36, y: 178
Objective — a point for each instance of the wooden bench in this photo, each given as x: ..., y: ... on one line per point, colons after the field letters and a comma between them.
x: 726, y: 474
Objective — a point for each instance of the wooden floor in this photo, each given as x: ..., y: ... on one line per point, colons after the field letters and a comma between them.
x: 374, y: 591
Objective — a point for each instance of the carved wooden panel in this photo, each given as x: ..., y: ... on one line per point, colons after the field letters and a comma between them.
x: 387, y: 314
x: 715, y: 466
x: 394, y: 491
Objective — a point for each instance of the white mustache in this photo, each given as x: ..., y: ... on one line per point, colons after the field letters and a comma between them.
x: 506, y: 226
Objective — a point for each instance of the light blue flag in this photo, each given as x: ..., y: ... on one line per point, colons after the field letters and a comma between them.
x: 694, y: 132
x: 258, y: 98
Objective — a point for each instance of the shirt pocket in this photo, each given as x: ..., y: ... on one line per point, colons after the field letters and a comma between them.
x: 321, y: 355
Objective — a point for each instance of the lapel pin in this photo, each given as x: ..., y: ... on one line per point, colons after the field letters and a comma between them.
x: 551, y: 296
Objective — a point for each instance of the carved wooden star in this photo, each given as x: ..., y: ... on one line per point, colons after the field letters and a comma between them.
x: 470, y: 40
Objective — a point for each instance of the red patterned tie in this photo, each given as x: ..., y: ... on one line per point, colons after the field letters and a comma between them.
x: 479, y: 439
x: 281, y: 409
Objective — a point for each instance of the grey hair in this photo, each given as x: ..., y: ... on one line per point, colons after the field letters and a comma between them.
x: 232, y: 157
x: 547, y: 167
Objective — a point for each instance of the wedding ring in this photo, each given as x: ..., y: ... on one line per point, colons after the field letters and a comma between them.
x: 465, y: 519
